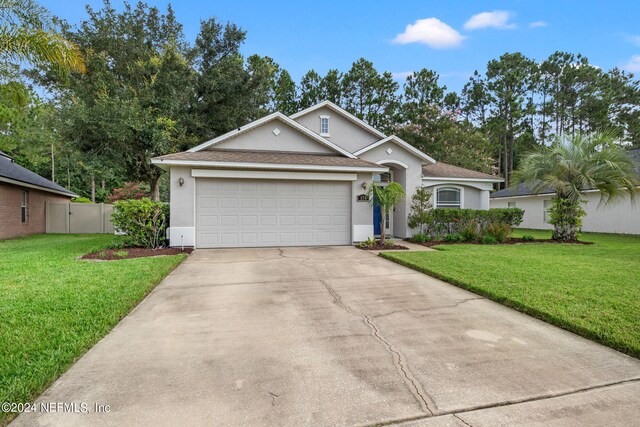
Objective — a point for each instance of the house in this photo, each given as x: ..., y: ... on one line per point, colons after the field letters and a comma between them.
x: 23, y: 198
x: 620, y: 217
x: 300, y: 180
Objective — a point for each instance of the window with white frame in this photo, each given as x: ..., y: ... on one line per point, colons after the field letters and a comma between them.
x: 23, y: 207
x: 448, y: 197
x: 511, y: 204
x: 546, y: 205
x: 324, y: 125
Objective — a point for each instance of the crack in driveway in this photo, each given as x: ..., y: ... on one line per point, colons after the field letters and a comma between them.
x: 399, y: 360
x: 411, y: 310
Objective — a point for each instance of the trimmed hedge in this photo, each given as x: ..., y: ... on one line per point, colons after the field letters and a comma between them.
x: 144, y: 221
x: 470, y: 222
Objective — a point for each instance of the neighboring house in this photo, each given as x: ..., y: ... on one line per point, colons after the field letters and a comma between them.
x: 622, y: 216
x: 23, y: 198
x: 300, y: 180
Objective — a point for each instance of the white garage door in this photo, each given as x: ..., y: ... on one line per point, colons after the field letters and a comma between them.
x: 246, y: 213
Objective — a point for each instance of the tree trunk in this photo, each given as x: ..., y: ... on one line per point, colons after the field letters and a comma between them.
x: 53, y: 164
x: 93, y: 189
x: 155, y: 188
x: 505, y: 161
x: 383, y: 231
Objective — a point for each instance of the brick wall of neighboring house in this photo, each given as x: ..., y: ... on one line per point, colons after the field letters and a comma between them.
x: 11, y: 224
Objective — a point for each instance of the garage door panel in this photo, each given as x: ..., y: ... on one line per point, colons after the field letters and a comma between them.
x: 267, y: 213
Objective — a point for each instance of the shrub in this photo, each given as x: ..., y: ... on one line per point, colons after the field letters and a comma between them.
x: 144, y: 221
x: 81, y: 200
x: 528, y: 238
x: 498, y: 231
x: 453, y: 238
x: 566, y: 217
x: 420, y: 208
x: 120, y: 242
x: 388, y: 243
x: 453, y: 220
x: 367, y: 244
x: 489, y: 240
x: 470, y: 232
x: 128, y: 191
x: 420, y: 238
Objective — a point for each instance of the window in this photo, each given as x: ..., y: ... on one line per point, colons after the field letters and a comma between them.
x: 546, y: 205
x: 448, y: 198
x: 23, y: 207
x: 383, y: 177
x: 324, y: 125
x: 511, y: 204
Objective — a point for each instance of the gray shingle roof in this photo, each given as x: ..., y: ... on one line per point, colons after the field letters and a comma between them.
x: 9, y: 169
x: 268, y: 157
x: 444, y: 170
x: 523, y: 190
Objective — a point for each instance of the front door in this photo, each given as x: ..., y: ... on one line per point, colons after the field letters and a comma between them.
x: 377, y: 219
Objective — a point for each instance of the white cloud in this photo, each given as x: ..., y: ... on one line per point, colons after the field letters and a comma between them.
x: 496, y: 19
x: 432, y: 32
x: 538, y: 24
x: 401, y: 75
x: 633, y: 65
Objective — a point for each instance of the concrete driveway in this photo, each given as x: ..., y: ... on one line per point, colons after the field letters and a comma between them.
x: 337, y: 336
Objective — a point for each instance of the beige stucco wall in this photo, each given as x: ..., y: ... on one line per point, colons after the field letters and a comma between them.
x: 263, y: 138
x: 621, y: 217
x: 361, y: 212
x: 183, y: 205
x: 475, y: 195
x: 410, y: 178
x: 342, y: 131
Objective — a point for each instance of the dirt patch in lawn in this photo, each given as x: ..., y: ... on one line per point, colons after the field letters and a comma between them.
x: 380, y: 247
x: 127, y: 253
x: 510, y: 241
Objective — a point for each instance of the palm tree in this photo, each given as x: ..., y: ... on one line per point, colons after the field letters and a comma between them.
x: 386, y: 197
x: 27, y: 33
x: 573, y: 165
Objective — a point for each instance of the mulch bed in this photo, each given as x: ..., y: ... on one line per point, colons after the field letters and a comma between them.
x: 379, y: 247
x: 115, y: 254
x: 510, y: 241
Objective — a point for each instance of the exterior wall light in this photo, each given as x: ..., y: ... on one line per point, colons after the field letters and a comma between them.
x: 181, y: 181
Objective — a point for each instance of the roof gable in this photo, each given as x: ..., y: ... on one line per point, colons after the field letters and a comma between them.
x: 282, y: 120
x: 342, y: 112
x: 413, y: 150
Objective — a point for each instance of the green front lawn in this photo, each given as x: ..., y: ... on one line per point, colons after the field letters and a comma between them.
x: 591, y: 290
x: 54, y: 308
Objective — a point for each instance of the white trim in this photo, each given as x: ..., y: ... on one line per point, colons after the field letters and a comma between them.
x: 266, y: 119
x: 362, y: 232
x: 343, y: 113
x: 399, y: 142
x: 444, y: 187
x: 444, y: 178
x: 35, y: 187
x: 395, y: 162
x: 303, y: 176
x: 238, y: 165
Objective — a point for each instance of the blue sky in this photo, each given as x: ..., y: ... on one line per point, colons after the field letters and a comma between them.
x: 451, y: 37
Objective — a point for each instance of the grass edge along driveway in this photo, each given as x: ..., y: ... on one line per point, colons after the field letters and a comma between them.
x: 54, y: 308
x: 593, y: 291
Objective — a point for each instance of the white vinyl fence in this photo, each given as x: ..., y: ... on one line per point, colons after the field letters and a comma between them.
x: 72, y: 218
